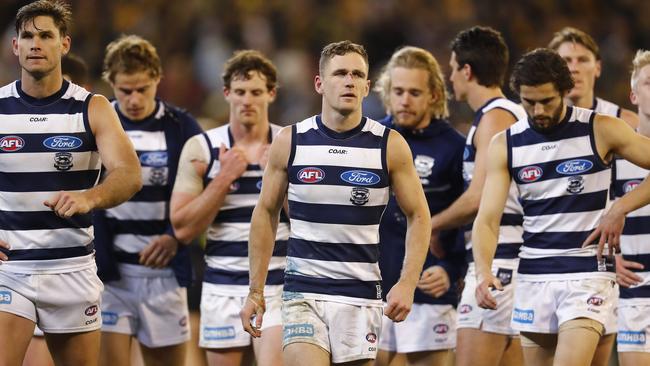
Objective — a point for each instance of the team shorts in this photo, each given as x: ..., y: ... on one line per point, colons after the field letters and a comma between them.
x: 347, y: 332
x: 542, y: 306
x: 470, y: 315
x: 220, y: 322
x: 153, y: 309
x: 633, y: 327
x: 58, y: 303
x: 428, y: 327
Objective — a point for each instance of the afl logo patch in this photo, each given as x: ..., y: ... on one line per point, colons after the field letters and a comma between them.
x: 630, y: 185
x: 371, y: 337
x: 360, y: 177
x: 576, y: 166
x: 11, y: 143
x: 91, y: 310
x: 441, y: 328
x: 62, y: 142
x: 311, y: 175
x: 154, y: 159
x: 530, y: 174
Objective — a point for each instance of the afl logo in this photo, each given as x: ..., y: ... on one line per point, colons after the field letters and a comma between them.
x: 630, y: 185
x: 154, y: 159
x: 371, y: 337
x: 595, y: 301
x: 62, y: 142
x: 360, y: 177
x: 530, y: 174
x: 91, y: 310
x: 576, y: 166
x: 441, y: 328
x: 465, y: 308
x: 311, y: 175
x: 11, y: 143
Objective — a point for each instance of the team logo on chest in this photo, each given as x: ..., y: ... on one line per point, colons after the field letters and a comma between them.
x: 424, y: 166
x: 63, y: 161
x: 359, y: 196
x: 311, y: 175
x: 158, y: 176
x: 575, y: 184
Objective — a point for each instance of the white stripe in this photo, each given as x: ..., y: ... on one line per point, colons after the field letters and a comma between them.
x: 635, y: 244
x: 470, y: 135
x: 535, y: 253
x: 510, y: 234
x: 59, y: 124
x: 563, y: 222
x: 626, y: 170
x: 374, y: 127
x: 643, y: 211
x: 335, y: 233
x: 334, y: 270
x: 564, y: 149
x: 219, y: 136
x: 75, y: 92
x: 9, y: 90
x: 334, y: 195
x: 241, y: 263
x: 44, y: 162
x: 46, y: 239
x: 232, y: 201
x: 508, y: 105
x: 132, y: 243
x: 148, y: 140
x: 468, y: 170
x: 306, y: 125
x: 134, y: 210
x: 558, y: 187
x: 26, y: 201
x: 238, y: 231
x: 359, y: 158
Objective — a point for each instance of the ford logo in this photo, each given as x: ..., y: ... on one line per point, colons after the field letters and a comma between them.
x: 576, y: 166
x: 360, y: 177
x: 154, y: 159
x: 62, y: 142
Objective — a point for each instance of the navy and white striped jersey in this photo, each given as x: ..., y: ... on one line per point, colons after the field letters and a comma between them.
x: 338, y: 190
x: 227, y: 245
x: 563, y: 185
x: 510, y: 230
x: 605, y: 107
x: 46, y: 146
x: 635, y: 240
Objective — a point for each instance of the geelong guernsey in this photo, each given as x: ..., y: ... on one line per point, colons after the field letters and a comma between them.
x: 604, y: 107
x: 563, y: 185
x: 227, y: 245
x: 510, y: 230
x: 46, y: 146
x: 338, y: 190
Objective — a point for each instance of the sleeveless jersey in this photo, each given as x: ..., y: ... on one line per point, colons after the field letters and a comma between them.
x: 563, y: 186
x: 510, y: 230
x: 604, y: 107
x: 46, y: 146
x: 338, y: 190
x: 227, y: 238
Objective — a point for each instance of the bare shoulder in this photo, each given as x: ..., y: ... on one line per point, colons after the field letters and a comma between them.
x: 281, y: 148
x: 398, y: 152
x: 630, y: 118
x: 101, y: 114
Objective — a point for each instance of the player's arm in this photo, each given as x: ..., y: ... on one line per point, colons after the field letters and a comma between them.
x: 485, y: 232
x: 264, y: 225
x: 630, y: 117
x: 615, y: 137
x: 123, y: 178
x: 408, y: 191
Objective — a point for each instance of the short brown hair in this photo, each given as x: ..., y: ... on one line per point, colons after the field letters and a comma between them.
x: 574, y: 35
x: 339, y: 49
x: 55, y: 9
x: 243, y: 62
x: 130, y: 54
x: 416, y: 58
x: 485, y: 51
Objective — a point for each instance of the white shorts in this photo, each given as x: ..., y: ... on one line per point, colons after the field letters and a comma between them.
x: 152, y: 309
x: 57, y: 303
x: 220, y: 322
x: 427, y: 328
x: 542, y: 306
x: 633, y: 327
x: 470, y: 315
x: 347, y: 332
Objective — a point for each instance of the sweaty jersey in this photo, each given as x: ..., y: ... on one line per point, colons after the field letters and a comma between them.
x: 510, y: 229
x: 227, y: 237
x: 563, y: 185
x: 46, y: 146
x: 338, y: 190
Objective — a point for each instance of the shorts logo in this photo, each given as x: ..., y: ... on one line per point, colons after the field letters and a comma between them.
x: 183, y: 321
x: 575, y: 166
x: 155, y: 159
x: 631, y: 337
x: 441, y: 328
x: 62, y: 142
x: 311, y: 175
x: 371, y: 337
x: 91, y: 321
x: 576, y: 184
x: 505, y: 276
x: 91, y: 310
x: 298, y: 330
x: 359, y: 196
x: 11, y: 143
x: 630, y: 185
x: 5, y: 297
x: 530, y: 174
x: 63, y: 161
x: 360, y: 177
x: 465, y: 308
x: 218, y: 333
x: 523, y: 316
x: 595, y: 301
x: 109, y: 318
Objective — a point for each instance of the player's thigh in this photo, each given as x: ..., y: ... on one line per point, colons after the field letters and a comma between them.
x: 604, y: 350
x: 234, y: 356
x: 633, y: 358
x: 79, y: 349
x: 429, y: 358
x: 477, y: 347
x: 37, y: 353
x: 512, y: 356
x: 295, y: 354
x: 164, y: 356
x: 268, y: 348
x: 16, y: 331
x: 389, y: 358
x: 115, y: 349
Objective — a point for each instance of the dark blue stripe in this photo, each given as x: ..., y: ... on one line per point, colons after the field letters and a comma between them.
x: 332, y: 176
x: 221, y: 277
x: 45, y: 254
x: 241, y: 214
x: 41, y: 220
x: 637, y: 225
x: 13, y: 105
x: 565, y: 204
x: 152, y: 194
x: 336, y: 214
x: 567, y: 131
x: 509, y: 219
x: 34, y: 143
x: 549, y: 172
x: 335, y: 252
x: 639, y: 258
x: 328, y: 286
x: 504, y: 251
x: 244, y: 185
x: 630, y: 293
x: 48, y: 181
x: 317, y: 138
x: 138, y: 227
x: 218, y: 248
x: 555, y: 240
x: 557, y: 265
x: 125, y: 257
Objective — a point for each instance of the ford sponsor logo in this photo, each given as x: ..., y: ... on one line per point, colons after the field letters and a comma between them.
x: 360, y: 177
x: 576, y: 166
x: 11, y: 143
x: 154, y: 159
x: 530, y: 174
x: 62, y: 142
x: 311, y: 175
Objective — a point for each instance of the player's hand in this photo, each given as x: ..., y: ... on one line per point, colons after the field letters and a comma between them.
x: 4, y: 246
x: 483, y: 292
x: 233, y: 162
x: 263, y: 153
x: 624, y: 276
x: 434, y: 281
x: 65, y: 204
x: 159, y: 251
x: 252, y: 313
x: 399, y: 301
x: 435, y: 246
x: 608, y: 231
